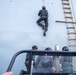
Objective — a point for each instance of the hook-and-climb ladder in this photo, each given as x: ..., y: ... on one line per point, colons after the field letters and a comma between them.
x: 70, y: 22
x: 44, y: 38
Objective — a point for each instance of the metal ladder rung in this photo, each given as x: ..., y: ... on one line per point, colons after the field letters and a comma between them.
x: 65, y: 0
x: 65, y: 3
x: 66, y: 8
x: 71, y: 38
x: 72, y: 45
x: 68, y: 17
x: 71, y: 32
x: 70, y: 22
x: 67, y: 12
x: 71, y: 27
x: 65, y: 21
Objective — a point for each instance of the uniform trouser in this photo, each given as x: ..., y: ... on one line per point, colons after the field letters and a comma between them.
x: 27, y: 67
x: 45, y: 21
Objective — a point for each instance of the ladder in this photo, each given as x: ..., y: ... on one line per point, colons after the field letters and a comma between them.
x: 70, y: 23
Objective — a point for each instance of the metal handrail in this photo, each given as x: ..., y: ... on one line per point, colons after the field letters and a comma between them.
x: 54, y: 53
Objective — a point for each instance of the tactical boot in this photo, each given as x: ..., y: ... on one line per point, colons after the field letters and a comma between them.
x: 44, y: 34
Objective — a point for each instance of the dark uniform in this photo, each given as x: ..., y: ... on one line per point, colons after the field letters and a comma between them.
x: 28, y: 57
x: 66, y: 62
x: 44, y: 63
x: 43, y: 17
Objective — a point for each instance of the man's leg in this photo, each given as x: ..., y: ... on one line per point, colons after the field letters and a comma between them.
x: 46, y: 26
x: 39, y: 23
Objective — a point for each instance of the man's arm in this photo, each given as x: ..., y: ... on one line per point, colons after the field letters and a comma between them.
x: 39, y: 13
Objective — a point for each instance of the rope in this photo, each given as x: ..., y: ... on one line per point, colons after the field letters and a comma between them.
x: 73, y: 9
x: 44, y: 42
x: 73, y: 13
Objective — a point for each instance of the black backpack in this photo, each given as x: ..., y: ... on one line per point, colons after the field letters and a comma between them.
x: 46, y: 61
x: 44, y: 14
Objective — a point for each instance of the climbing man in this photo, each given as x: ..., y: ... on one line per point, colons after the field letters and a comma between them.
x: 43, y: 13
